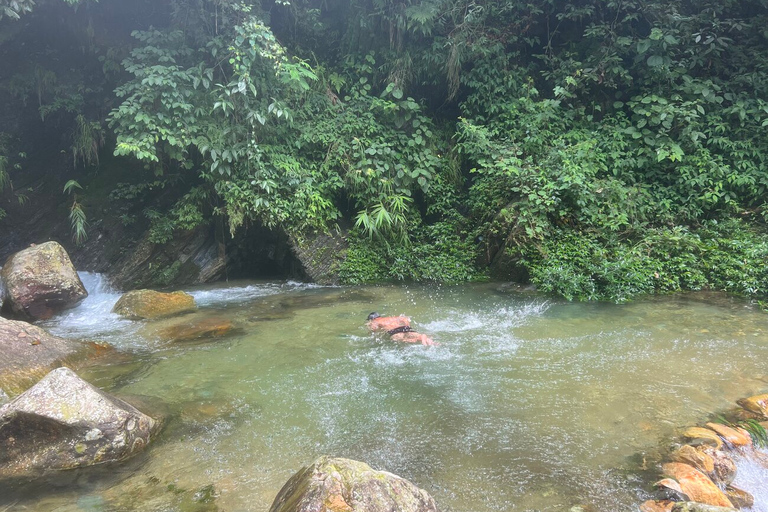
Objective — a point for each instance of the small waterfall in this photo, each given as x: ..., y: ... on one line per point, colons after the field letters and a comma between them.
x: 93, y: 319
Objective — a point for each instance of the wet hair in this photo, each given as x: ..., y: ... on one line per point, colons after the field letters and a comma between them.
x: 373, y: 316
x: 398, y: 330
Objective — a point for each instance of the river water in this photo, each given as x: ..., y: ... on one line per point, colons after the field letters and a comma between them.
x: 528, y: 404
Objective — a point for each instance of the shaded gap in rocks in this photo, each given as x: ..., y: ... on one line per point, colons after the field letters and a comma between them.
x: 261, y: 253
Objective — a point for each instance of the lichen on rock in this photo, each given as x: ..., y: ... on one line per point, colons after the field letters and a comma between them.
x: 344, y: 485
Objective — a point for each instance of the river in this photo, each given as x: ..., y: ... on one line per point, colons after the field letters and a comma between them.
x: 528, y: 403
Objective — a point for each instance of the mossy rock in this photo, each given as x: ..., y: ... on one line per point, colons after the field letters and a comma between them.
x: 63, y: 422
x: 39, y: 282
x: 344, y: 485
x: 148, y: 304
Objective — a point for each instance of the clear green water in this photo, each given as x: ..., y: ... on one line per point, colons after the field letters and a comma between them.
x: 527, y: 404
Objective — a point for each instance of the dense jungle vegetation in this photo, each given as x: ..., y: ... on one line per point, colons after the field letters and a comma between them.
x: 600, y: 148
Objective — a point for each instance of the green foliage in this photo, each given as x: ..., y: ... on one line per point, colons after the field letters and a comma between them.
x: 436, y: 253
x: 77, y: 217
x: 591, y: 266
x: 87, y: 139
x: 756, y: 431
x: 607, y: 143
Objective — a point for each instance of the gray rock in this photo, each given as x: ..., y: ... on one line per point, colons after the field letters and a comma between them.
x: 320, y: 255
x: 63, y: 422
x: 40, y: 281
x: 345, y: 485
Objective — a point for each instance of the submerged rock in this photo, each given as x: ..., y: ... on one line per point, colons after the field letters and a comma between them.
x: 696, y: 485
x: 200, y: 329
x: 40, y: 281
x: 739, y: 497
x: 29, y: 353
x: 757, y: 404
x: 691, y: 506
x: 143, y: 304
x: 63, y: 422
x: 657, y: 506
x: 344, y: 485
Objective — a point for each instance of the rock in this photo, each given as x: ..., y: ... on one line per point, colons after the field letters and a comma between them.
x: 29, y: 353
x: 320, y: 254
x: 725, y: 468
x: 690, y: 506
x: 698, y: 459
x: 735, y: 437
x: 657, y: 506
x: 207, y: 328
x: 757, y: 404
x: 696, y: 485
x: 141, y: 304
x: 40, y: 281
x: 700, y: 435
x: 739, y: 497
x: 670, y: 484
x: 344, y: 485
x: 193, y: 256
x: 63, y: 422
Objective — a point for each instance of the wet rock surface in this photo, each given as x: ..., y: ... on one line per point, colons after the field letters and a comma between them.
x: 696, y: 485
x: 148, y: 304
x: 344, y: 485
x: 64, y: 422
x: 28, y: 353
x: 40, y: 281
x: 757, y: 404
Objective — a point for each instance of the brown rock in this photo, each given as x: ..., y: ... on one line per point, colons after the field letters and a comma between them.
x: 725, y: 468
x: 739, y: 497
x: 141, y: 304
x: 690, y: 506
x: 700, y: 435
x: 39, y: 282
x: 29, y: 353
x: 698, y: 459
x: 670, y: 484
x: 63, y: 422
x: 207, y: 328
x: 696, y: 485
x: 344, y: 485
x: 757, y: 404
x: 731, y: 435
x: 657, y: 506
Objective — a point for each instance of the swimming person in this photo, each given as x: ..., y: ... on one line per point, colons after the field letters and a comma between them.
x: 376, y: 322
x: 399, y: 329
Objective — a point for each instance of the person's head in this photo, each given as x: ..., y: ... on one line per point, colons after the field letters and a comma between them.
x: 373, y: 316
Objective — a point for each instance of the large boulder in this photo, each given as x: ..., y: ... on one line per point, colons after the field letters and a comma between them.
x: 144, y: 304
x: 344, y: 485
x: 63, y: 422
x: 29, y: 353
x: 40, y: 281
